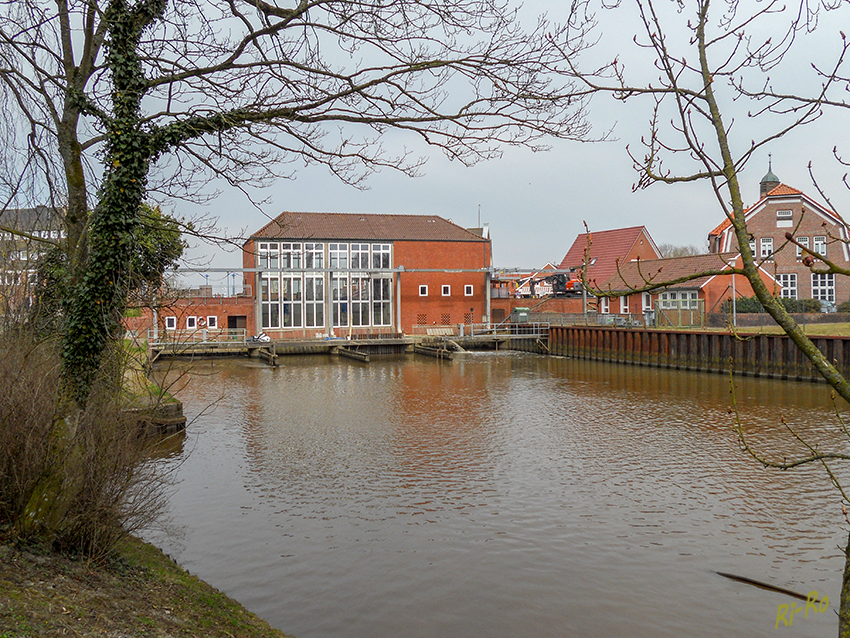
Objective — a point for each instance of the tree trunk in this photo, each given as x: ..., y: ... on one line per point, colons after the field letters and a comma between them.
x: 844, y: 605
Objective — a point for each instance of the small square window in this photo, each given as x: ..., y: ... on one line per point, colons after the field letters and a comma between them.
x: 467, y: 290
x: 171, y: 323
x: 447, y: 291
x: 191, y: 323
x: 212, y: 321
x: 423, y: 291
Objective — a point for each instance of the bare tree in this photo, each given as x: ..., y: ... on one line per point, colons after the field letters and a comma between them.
x: 115, y: 101
x: 673, y: 250
x: 710, y: 64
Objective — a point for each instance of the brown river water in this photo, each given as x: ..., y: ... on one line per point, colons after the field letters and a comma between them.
x: 501, y: 495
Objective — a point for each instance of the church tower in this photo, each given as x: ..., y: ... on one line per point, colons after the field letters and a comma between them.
x: 769, y: 181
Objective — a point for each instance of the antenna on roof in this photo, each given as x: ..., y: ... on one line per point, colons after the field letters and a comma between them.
x: 479, y: 215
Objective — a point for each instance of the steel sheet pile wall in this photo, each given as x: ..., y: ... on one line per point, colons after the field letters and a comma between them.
x: 755, y: 355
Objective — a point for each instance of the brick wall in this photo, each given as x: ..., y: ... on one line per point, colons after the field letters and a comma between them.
x: 806, y: 223
x: 435, y: 307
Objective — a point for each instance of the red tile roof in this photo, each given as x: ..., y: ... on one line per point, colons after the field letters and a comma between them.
x: 783, y: 190
x: 606, y: 248
x: 637, y: 274
x: 365, y: 226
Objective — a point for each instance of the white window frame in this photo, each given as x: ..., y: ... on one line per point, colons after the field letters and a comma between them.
x: 268, y: 255
x: 382, y: 256
x: 212, y: 321
x: 468, y: 290
x: 171, y: 322
x: 823, y: 287
x: 668, y: 299
x: 788, y: 281
x: 784, y: 214
x: 446, y: 290
x: 766, y: 248
x: 675, y: 299
x: 624, y: 305
x: 647, y: 301
x: 338, y: 256
x: 604, y: 306
x: 819, y: 245
x: 423, y: 290
x: 382, y: 291
x: 191, y: 322
x: 804, y: 243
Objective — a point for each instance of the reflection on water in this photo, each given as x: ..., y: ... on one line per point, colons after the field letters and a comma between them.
x: 501, y: 495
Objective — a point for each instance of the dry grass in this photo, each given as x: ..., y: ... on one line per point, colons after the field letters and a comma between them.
x: 139, y: 592
x: 812, y: 329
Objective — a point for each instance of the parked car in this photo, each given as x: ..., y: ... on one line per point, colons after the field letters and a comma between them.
x: 827, y: 306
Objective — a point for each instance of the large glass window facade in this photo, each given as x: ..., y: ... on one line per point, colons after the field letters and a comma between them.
x: 352, y: 292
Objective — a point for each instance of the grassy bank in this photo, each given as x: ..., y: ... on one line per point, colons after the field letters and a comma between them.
x: 140, y: 592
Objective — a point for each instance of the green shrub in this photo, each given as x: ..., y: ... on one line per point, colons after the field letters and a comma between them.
x: 745, y: 305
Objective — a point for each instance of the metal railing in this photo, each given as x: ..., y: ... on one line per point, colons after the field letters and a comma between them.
x: 157, y: 338
x: 529, y: 330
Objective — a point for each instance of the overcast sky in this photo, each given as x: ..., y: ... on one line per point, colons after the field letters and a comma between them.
x: 536, y: 203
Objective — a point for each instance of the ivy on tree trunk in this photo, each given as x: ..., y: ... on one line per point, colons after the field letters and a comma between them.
x: 99, y: 296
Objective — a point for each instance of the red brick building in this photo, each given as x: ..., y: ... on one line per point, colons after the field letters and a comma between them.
x: 695, y: 297
x: 195, y: 311
x: 338, y: 274
x: 605, y: 249
x: 782, y: 209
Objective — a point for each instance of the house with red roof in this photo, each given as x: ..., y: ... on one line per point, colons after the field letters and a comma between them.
x: 338, y: 274
x: 700, y: 286
x: 604, y: 250
x: 782, y: 209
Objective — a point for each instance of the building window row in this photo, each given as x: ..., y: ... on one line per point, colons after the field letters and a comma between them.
x: 823, y: 286
x: 276, y: 255
x: 765, y: 246
x: 42, y: 234
x: 818, y: 245
x: 193, y: 322
x: 446, y: 290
